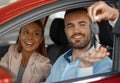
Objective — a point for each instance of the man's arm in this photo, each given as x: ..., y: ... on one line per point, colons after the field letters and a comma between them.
x: 101, y: 11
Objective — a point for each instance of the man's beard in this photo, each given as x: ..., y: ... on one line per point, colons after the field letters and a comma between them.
x: 80, y: 45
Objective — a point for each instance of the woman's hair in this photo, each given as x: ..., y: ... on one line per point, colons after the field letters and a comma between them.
x: 41, y: 48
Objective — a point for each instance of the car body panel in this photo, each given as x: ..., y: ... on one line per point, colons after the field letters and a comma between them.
x: 5, y: 76
x: 11, y: 11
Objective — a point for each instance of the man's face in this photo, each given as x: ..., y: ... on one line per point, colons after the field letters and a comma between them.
x: 77, y: 29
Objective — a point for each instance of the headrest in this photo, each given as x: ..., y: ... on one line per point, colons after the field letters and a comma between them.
x: 57, y: 33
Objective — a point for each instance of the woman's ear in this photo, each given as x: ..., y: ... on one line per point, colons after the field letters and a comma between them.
x: 41, y: 39
x: 18, y: 39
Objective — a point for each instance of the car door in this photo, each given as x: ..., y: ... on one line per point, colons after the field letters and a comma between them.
x: 21, y: 13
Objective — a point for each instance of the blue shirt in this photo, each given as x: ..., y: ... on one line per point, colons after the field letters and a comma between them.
x: 64, y: 69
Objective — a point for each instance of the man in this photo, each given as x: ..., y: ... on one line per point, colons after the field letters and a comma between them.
x: 83, y: 59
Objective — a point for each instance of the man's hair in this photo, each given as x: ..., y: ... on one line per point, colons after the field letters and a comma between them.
x: 75, y: 10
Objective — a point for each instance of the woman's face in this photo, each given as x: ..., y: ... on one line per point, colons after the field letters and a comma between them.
x: 30, y: 37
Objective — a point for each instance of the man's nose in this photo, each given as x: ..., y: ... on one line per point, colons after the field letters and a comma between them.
x: 77, y: 29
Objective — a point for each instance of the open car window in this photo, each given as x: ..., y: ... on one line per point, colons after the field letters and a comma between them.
x: 47, y: 14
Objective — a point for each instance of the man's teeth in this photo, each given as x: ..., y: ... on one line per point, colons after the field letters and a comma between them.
x: 77, y: 36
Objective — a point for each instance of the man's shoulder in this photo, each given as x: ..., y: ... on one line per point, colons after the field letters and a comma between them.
x: 62, y: 59
x: 106, y: 61
x: 64, y: 55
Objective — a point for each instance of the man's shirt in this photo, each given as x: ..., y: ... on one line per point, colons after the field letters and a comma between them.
x: 64, y: 69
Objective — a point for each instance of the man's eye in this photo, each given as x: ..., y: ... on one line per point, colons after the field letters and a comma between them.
x: 69, y: 26
x: 82, y: 24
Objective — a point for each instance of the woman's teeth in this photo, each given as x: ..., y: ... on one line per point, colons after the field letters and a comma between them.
x: 30, y: 43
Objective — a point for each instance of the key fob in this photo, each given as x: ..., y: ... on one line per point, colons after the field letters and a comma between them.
x: 94, y: 28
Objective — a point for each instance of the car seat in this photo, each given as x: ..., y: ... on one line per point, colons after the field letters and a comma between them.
x: 58, y: 36
x: 3, y: 50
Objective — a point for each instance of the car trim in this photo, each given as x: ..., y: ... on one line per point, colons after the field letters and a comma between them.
x: 17, y: 8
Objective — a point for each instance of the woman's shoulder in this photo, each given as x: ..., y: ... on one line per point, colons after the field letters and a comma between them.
x: 13, y: 50
x: 13, y: 46
x: 43, y: 61
x: 42, y: 58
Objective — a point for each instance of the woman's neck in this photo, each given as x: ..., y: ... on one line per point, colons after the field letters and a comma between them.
x: 25, y: 58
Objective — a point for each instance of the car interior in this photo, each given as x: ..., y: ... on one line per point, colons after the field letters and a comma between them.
x: 60, y: 44
x: 58, y: 36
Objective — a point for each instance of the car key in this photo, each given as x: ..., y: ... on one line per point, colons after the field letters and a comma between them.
x: 94, y: 27
x: 95, y: 31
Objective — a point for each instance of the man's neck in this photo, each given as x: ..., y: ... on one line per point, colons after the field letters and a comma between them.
x: 76, y: 52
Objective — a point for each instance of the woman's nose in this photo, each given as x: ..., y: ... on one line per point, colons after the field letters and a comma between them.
x: 30, y: 36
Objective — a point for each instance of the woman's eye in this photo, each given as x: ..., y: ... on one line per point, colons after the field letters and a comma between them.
x: 25, y: 32
x: 37, y: 33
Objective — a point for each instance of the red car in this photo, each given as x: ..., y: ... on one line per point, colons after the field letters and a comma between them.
x: 6, y: 76
x: 21, y: 12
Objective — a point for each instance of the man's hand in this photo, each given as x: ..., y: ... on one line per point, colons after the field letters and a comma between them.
x: 101, y: 11
x: 89, y: 58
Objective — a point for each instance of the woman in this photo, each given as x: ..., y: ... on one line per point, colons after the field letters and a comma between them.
x: 27, y: 59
